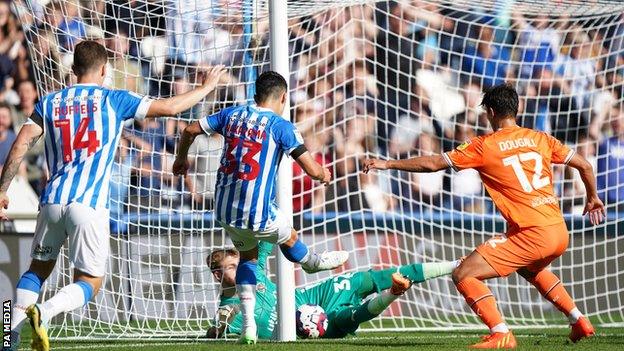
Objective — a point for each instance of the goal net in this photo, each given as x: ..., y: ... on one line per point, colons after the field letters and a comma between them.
x: 368, y: 79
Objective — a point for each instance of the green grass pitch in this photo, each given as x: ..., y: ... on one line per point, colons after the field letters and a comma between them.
x: 528, y: 339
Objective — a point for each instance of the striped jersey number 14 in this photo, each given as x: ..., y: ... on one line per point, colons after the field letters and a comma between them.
x: 89, y: 142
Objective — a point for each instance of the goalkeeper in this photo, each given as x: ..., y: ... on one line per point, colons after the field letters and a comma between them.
x: 341, y: 296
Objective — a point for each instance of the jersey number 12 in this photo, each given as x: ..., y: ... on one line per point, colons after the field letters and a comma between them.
x: 515, y: 162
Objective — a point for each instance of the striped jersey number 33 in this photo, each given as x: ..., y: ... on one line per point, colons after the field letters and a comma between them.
x: 250, y: 149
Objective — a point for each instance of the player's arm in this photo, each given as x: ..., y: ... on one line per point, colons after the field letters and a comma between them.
x: 180, y: 103
x: 181, y: 164
x: 309, y: 165
x: 422, y: 164
x: 26, y: 139
x: 594, y: 205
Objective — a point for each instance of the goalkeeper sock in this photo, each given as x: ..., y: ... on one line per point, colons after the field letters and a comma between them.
x: 67, y: 299
x: 482, y: 302
x: 246, y: 287
x: 551, y: 288
x: 26, y: 294
x: 380, y: 302
x: 417, y: 273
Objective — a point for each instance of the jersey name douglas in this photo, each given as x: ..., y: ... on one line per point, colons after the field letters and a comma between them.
x: 515, y: 167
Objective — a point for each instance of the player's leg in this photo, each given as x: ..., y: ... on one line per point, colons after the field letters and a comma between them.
x: 415, y: 272
x: 246, y: 288
x: 468, y: 280
x: 48, y: 239
x: 246, y: 243
x: 347, y: 320
x: 550, y: 286
x: 89, y: 247
x: 281, y: 232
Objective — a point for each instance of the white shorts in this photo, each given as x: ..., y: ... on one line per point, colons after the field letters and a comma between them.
x: 277, y: 231
x: 87, y: 230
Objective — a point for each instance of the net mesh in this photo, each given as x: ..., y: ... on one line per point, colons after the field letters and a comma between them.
x: 387, y: 79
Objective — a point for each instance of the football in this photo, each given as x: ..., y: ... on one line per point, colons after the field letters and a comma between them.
x: 311, y: 321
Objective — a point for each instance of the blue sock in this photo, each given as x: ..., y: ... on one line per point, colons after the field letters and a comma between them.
x: 87, y: 290
x: 246, y: 272
x: 297, y: 253
x: 30, y: 281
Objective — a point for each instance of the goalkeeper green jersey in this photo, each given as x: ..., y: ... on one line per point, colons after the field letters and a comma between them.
x: 333, y: 295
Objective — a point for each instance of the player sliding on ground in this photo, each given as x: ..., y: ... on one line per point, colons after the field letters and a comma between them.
x: 82, y: 125
x: 341, y: 296
x: 515, y: 167
x: 256, y: 138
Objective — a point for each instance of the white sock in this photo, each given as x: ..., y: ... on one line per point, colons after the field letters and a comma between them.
x: 574, y: 315
x: 437, y: 269
x: 380, y: 302
x: 310, y: 260
x: 23, y: 299
x: 500, y: 328
x: 247, y: 296
x: 67, y: 299
x: 456, y: 263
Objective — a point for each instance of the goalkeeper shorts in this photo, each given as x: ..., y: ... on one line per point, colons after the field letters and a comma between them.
x: 87, y: 232
x: 533, y: 248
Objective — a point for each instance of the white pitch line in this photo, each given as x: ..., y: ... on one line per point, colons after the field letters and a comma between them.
x: 118, y: 344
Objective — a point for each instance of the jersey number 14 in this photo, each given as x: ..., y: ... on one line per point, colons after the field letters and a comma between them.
x: 538, y: 181
x: 90, y: 142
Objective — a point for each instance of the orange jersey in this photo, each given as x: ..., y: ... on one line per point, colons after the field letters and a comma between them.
x: 515, y: 167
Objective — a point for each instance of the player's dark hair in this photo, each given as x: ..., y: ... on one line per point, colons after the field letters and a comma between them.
x: 88, y: 55
x: 503, y: 99
x: 270, y: 84
x: 215, y: 257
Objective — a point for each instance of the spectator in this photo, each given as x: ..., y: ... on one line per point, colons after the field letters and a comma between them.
x: 10, y: 34
x: 539, y: 41
x: 126, y: 72
x: 7, y: 136
x: 466, y: 185
x: 27, y: 96
x: 578, y: 69
x: 205, y: 153
x: 410, y: 126
x: 425, y: 189
x: 610, y: 167
x: 486, y: 60
x: 71, y: 28
x: 576, y: 190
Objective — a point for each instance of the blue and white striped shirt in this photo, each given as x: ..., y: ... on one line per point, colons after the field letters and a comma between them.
x: 82, y: 126
x: 255, y: 140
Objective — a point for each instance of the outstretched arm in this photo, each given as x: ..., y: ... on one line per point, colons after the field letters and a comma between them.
x: 415, y: 164
x: 26, y: 139
x: 181, y: 164
x: 594, y: 205
x: 313, y: 168
x: 180, y: 103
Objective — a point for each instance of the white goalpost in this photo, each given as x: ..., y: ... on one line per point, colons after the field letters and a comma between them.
x: 390, y: 79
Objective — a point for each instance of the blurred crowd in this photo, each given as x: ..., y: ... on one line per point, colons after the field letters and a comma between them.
x: 392, y: 78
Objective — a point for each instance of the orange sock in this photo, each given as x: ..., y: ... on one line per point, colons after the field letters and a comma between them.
x: 551, y: 288
x: 481, y: 300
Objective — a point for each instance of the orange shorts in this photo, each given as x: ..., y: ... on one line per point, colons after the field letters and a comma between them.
x: 533, y: 248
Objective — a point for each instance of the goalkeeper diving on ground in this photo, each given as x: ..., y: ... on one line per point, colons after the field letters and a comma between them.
x: 342, y: 297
